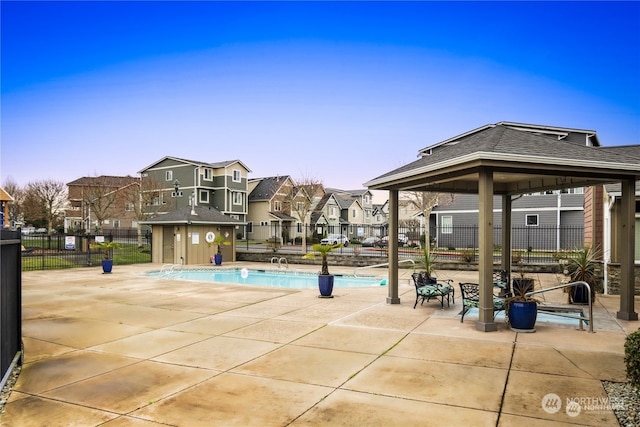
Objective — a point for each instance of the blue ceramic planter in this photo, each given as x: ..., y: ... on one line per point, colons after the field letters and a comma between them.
x: 523, y: 314
x: 107, y: 265
x: 325, y: 284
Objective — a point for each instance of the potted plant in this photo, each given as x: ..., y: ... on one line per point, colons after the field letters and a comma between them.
x: 325, y: 280
x: 428, y: 264
x: 521, y: 310
x: 218, y: 240
x: 582, y: 268
x: 106, y: 248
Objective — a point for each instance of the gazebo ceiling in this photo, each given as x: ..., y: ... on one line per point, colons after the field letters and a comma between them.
x: 521, y: 161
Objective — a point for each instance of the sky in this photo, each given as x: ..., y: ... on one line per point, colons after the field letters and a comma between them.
x: 340, y: 92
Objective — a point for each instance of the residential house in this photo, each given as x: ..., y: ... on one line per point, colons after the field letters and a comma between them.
x: 269, y: 214
x: 178, y: 182
x: 326, y: 217
x: 550, y: 220
x: 101, y: 203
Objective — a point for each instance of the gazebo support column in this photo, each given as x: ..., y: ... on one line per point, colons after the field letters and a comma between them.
x: 506, y: 233
x: 627, y: 247
x: 393, y: 297
x: 486, y: 322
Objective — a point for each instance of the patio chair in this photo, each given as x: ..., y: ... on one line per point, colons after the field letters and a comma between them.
x: 428, y: 287
x: 471, y: 299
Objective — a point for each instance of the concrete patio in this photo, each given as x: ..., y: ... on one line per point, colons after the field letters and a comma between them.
x: 129, y: 350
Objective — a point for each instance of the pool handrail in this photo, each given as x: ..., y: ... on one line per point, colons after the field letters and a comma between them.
x: 568, y: 285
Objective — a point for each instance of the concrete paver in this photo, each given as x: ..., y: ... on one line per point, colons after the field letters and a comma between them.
x: 127, y: 350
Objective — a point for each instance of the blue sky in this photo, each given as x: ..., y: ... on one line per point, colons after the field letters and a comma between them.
x: 341, y: 92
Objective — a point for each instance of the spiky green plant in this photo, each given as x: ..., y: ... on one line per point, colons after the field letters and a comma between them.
x: 322, y: 250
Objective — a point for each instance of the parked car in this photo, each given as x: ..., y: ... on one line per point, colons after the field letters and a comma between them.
x: 40, y: 231
x: 334, y: 239
x: 371, y: 242
x: 28, y: 230
x: 402, y: 240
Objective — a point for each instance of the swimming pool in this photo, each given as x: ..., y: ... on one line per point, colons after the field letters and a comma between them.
x: 267, y: 278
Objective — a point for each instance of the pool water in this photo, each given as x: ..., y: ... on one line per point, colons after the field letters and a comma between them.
x: 267, y: 278
x: 541, y: 318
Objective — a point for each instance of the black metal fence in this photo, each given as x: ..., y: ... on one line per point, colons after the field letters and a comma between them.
x: 532, y: 244
x: 10, y: 303
x: 58, y: 251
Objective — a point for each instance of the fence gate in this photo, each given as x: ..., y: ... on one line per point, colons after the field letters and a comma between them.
x: 10, y: 303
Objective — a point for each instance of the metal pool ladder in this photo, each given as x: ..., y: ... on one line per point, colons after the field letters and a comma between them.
x: 279, y: 261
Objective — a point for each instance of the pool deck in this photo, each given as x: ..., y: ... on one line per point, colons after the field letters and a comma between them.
x: 128, y: 350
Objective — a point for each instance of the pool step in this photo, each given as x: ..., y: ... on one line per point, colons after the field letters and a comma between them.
x: 569, y: 311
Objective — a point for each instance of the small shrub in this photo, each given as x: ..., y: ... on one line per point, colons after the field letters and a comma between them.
x: 468, y: 255
x: 516, y: 257
x: 632, y: 358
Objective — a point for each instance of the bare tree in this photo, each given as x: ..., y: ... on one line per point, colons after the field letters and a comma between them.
x: 18, y: 194
x: 139, y: 198
x: 101, y: 194
x: 45, y: 200
x: 301, y: 199
x: 424, y: 202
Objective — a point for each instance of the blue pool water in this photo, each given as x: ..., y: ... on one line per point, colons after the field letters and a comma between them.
x: 541, y: 317
x: 268, y: 278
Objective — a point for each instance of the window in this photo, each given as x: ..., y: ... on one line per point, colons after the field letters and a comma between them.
x: 168, y: 176
x: 128, y: 207
x: 367, y: 213
x: 299, y: 206
x: 237, y: 198
x: 116, y: 223
x: 134, y: 224
x: 207, y: 174
x: 299, y: 227
x: 250, y: 227
x: 235, y: 216
x: 277, y: 205
x: 204, y: 196
x: 531, y: 220
x: 237, y: 177
x: 332, y: 211
x: 579, y: 190
x: 264, y: 223
x: 366, y: 199
x: 354, y: 213
x: 446, y: 224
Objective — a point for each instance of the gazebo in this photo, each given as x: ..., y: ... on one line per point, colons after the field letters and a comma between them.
x: 509, y: 159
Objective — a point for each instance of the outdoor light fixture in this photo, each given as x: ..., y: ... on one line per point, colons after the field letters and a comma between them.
x: 176, y: 189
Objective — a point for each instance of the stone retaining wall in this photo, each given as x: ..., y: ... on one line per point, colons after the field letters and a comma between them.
x: 613, y: 286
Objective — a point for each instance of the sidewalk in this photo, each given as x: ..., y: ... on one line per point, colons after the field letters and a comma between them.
x: 128, y: 350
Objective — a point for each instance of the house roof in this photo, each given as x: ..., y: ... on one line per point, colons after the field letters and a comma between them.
x: 4, y: 196
x: 184, y: 215
x: 104, y: 181
x: 214, y: 165
x: 522, y: 162
x: 267, y: 188
x: 581, y: 136
x: 282, y: 216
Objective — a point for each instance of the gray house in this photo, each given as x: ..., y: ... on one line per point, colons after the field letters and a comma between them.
x: 548, y: 220
x: 179, y: 182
